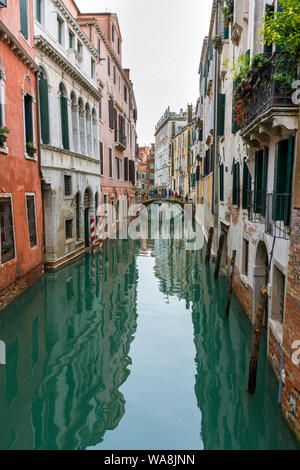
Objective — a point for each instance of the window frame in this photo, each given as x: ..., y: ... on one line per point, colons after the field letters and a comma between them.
x: 70, y: 239
x: 27, y: 196
x: 9, y: 197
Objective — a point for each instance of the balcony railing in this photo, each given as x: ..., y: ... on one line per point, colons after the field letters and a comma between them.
x: 120, y: 140
x: 271, y: 209
x: 269, y: 94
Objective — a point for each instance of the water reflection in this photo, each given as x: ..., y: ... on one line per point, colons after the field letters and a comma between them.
x: 69, y: 337
x: 231, y: 419
x: 68, y: 340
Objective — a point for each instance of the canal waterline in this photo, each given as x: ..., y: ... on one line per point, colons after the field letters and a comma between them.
x: 130, y: 350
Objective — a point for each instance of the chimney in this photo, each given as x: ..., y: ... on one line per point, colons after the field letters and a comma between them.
x: 190, y: 113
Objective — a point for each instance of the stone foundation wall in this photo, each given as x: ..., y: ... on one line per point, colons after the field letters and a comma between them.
x: 19, y: 286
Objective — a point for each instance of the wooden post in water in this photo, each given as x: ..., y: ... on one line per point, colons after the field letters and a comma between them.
x: 230, y: 284
x: 219, y: 255
x: 209, y: 244
x: 256, y: 340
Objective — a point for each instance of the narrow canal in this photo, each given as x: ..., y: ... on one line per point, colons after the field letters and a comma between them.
x: 130, y: 350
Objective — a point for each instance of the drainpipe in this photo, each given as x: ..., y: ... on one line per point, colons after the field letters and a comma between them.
x: 38, y: 141
x: 215, y: 202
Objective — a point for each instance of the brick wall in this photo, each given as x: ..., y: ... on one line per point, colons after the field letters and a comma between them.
x: 291, y: 391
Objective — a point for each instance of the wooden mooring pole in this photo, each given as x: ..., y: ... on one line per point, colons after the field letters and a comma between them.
x: 256, y: 340
x: 230, y: 284
x: 219, y: 255
x: 209, y: 244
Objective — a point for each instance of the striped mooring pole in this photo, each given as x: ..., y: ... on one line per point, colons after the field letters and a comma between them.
x: 139, y: 208
x: 93, y: 233
x: 100, y: 228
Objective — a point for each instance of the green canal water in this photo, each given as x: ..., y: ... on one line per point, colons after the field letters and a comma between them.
x: 130, y: 350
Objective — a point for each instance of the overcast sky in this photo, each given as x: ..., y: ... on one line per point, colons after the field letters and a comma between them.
x: 162, y: 41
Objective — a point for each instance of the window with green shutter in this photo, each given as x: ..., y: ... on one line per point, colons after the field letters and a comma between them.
x: 24, y: 18
x: 38, y: 10
x: 260, y: 181
x: 59, y: 30
x: 283, y: 179
x: 28, y: 118
x: 221, y: 114
x: 246, y: 185
x: 221, y: 170
x: 44, y: 110
x: 64, y: 121
x: 236, y: 185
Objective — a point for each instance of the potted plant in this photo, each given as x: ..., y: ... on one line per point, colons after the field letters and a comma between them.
x: 228, y: 11
x: 217, y: 42
x: 3, y: 135
x: 30, y: 148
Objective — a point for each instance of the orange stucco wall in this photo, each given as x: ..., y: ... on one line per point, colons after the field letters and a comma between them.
x: 19, y: 175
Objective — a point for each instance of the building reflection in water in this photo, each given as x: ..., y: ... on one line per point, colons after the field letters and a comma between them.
x: 231, y: 419
x: 68, y: 340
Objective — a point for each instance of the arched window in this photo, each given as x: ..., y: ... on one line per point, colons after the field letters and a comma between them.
x: 64, y: 117
x: 29, y: 117
x: 95, y: 134
x: 44, y: 108
x: 81, y: 125
x: 74, y: 123
x: 88, y: 129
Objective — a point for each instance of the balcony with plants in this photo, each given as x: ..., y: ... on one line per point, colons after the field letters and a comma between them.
x: 264, y: 86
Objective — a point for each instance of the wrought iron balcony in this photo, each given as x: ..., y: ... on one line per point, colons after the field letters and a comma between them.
x: 271, y: 209
x: 266, y: 92
x: 120, y: 140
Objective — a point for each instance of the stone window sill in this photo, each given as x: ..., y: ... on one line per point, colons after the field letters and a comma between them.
x: 4, y: 149
x: 70, y: 240
x: 277, y: 329
x: 28, y: 157
x: 244, y: 280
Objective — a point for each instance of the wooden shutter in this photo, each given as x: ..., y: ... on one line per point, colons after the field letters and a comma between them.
x: 24, y: 18
x: 283, y: 177
x: 101, y: 158
x: 110, y: 164
x: 236, y: 185
x: 221, y: 182
x: 44, y: 109
x: 111, y: 113
x: 64, y: 122
x: 258, y: 181
x: 264, y: 180
x: 221, y: 114
x: 126, y: 168
x: 246, y: 185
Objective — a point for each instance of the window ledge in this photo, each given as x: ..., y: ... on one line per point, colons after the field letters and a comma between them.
x: 28, y: 157
x: 70, y: 240
x: 4, y: 149
x: 244, y: 280
x: 277, y: 329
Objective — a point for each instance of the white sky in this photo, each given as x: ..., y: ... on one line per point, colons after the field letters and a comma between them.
x: 162, y: 41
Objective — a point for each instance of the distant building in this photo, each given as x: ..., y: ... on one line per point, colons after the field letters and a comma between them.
x: 145, y: 169
x: 163, y: 142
